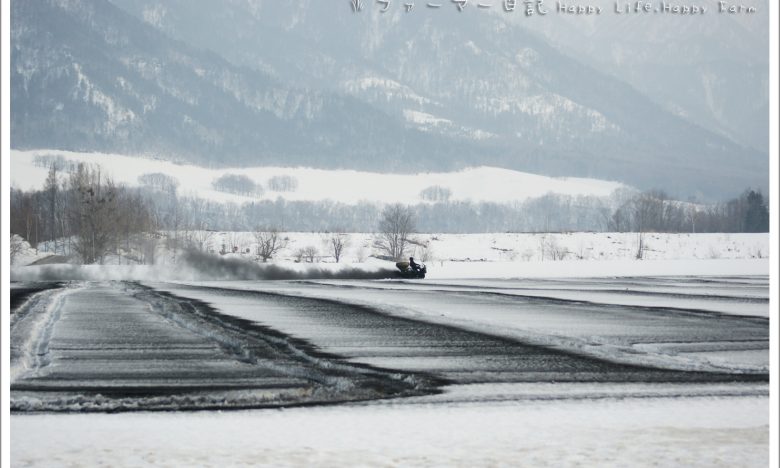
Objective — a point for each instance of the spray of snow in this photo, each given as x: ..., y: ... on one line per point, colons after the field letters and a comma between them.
x: 198, y: 266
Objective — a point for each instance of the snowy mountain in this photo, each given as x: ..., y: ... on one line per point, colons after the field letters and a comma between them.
x: 88, y: 76
x: 249, y: 83
x: 713, y: 71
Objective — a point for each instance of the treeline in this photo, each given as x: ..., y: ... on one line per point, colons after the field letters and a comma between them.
x: 84, y: 213
x: 655, y: 211
x: 623, y: 212
x: 81, y: 211
x: 544, y: 214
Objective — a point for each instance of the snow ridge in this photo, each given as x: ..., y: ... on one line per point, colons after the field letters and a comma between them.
x: 31, y: 329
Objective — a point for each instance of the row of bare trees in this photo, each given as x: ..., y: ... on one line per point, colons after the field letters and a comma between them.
x: 549, y: 213
x: 84, y: 213
x: 393, y: 238
x: 269, y: 242
x: 655, y: 211
x: 81, y: 211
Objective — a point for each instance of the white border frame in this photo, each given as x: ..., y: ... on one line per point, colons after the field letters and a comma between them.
x: 5, y: 391
x: 774, y: 200
x: 774, y: 227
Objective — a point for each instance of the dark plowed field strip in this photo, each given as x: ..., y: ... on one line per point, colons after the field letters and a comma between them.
x: 114, y: 347
x: 125, y: 346
x: 20, y: 293
x: 612, y: 331
x: 369, y: 336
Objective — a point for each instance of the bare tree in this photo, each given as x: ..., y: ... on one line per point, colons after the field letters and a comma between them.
x: 235, y: 183
x: 640, y: 248
x: 556, y: 251
x: 395, y: 227
x: 203, y: 238
x: 132, y: 221
x: 159, y: 181
x: 51, y: 189
x: 310, y: 253
x: 233, y: 242
x: 337, y: 241
x: 94, y: 213
x: 542, y: 246
x: 436, y: 193
x: 283, y: 183
x: 16, y: 246
x: 692, y: 214
x: 425, y: 252
x: 269, y: 242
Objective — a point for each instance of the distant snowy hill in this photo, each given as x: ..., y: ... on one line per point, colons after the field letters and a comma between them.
x: 277, y: 84
x: 29, y: 171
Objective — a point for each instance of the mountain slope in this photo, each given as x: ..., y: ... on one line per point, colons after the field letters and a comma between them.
x: 713, y: 71
x: 87, y: 76
x: 313, y: 84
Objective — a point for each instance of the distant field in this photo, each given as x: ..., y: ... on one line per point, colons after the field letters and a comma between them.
x: 343, y: 186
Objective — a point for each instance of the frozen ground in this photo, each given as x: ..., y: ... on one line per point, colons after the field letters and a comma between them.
x: 700, y: 431
x: 683, y: 321
x: 595, y: 371
x: 118, y: 346
x: 467, y: 258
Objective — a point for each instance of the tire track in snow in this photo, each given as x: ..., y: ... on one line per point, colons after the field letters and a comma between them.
x: 675, y: 295
x: 366, y: 334
x: 127, y: 348
x: 31, y: 329
x: 618, y: 332
x: 243, y: 337
x: 544, y: 299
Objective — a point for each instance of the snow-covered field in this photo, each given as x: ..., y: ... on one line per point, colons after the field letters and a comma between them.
x: 603, y: 371
x: 344, y: 186
x: 556, y: 349
x: 482, y: 255
x: 519, y: 247
x: 701, y: 431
